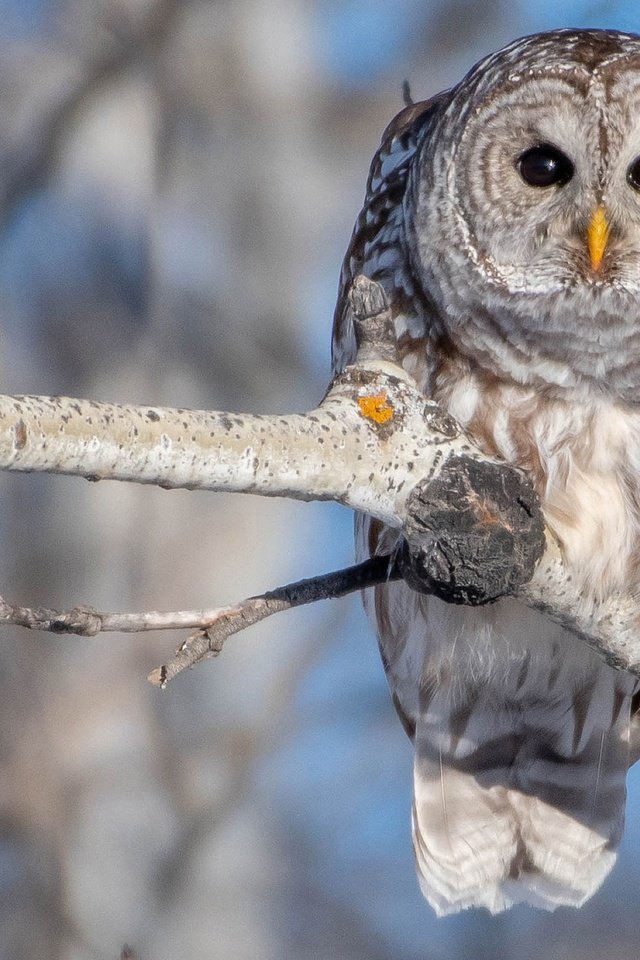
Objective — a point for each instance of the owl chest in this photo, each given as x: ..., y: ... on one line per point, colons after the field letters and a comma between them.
x: 584, y: 459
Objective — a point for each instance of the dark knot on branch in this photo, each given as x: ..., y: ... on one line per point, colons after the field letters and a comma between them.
x: 473, y: 534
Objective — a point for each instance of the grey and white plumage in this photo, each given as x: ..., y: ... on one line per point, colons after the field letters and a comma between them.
x: 504, y: 314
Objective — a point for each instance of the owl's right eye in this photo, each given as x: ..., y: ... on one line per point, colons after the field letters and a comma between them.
x: 544, y: 166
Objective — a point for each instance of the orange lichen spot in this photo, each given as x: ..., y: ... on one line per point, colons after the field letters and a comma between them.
x: 376, y: 407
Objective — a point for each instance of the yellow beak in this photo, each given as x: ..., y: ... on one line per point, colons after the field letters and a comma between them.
x: 597, y: 236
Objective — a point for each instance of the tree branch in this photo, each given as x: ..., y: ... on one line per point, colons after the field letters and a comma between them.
x: 471, y: 528
x: 213, y: 626
x: 365, y: 446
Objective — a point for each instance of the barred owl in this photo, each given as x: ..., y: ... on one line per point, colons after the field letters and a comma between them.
x: 502, y: 217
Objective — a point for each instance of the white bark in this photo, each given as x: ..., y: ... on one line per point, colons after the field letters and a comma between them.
x: 343, y: 451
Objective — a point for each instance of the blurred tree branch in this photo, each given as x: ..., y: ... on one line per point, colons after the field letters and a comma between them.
x: 470, y: 528
x: 32, y: 162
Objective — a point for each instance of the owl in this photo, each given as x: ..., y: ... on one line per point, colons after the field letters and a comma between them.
x: 502, y: 218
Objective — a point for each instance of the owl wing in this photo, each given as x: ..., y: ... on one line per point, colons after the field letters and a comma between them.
x: 379, y: 248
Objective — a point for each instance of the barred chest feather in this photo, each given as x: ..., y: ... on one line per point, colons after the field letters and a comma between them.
x: 584, y: 457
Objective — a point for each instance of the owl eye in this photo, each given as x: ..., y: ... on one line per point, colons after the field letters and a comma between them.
x: 633, y: 174
x: 544, y: 166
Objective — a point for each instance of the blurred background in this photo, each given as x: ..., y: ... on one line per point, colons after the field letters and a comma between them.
x: 178, y: 182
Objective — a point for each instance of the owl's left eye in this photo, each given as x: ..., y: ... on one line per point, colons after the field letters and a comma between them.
x: 544, y: 166
x: 633, y: 174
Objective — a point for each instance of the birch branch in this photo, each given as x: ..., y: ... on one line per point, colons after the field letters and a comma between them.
x: 472, y: 530
x: 213, y: 626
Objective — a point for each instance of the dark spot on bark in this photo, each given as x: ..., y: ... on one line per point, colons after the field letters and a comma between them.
x: 20, y: 435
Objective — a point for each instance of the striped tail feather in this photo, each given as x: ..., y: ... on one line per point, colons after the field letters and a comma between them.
x: 520, y: 799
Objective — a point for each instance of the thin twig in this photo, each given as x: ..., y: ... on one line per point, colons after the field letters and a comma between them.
x: 85, y: 621
x: 208, y: 642
x: 214, y: 625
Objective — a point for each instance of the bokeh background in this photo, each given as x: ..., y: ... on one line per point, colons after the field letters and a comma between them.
x: 178, y: 182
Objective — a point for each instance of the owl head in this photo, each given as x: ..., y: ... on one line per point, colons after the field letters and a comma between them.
x: 525, y: 212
